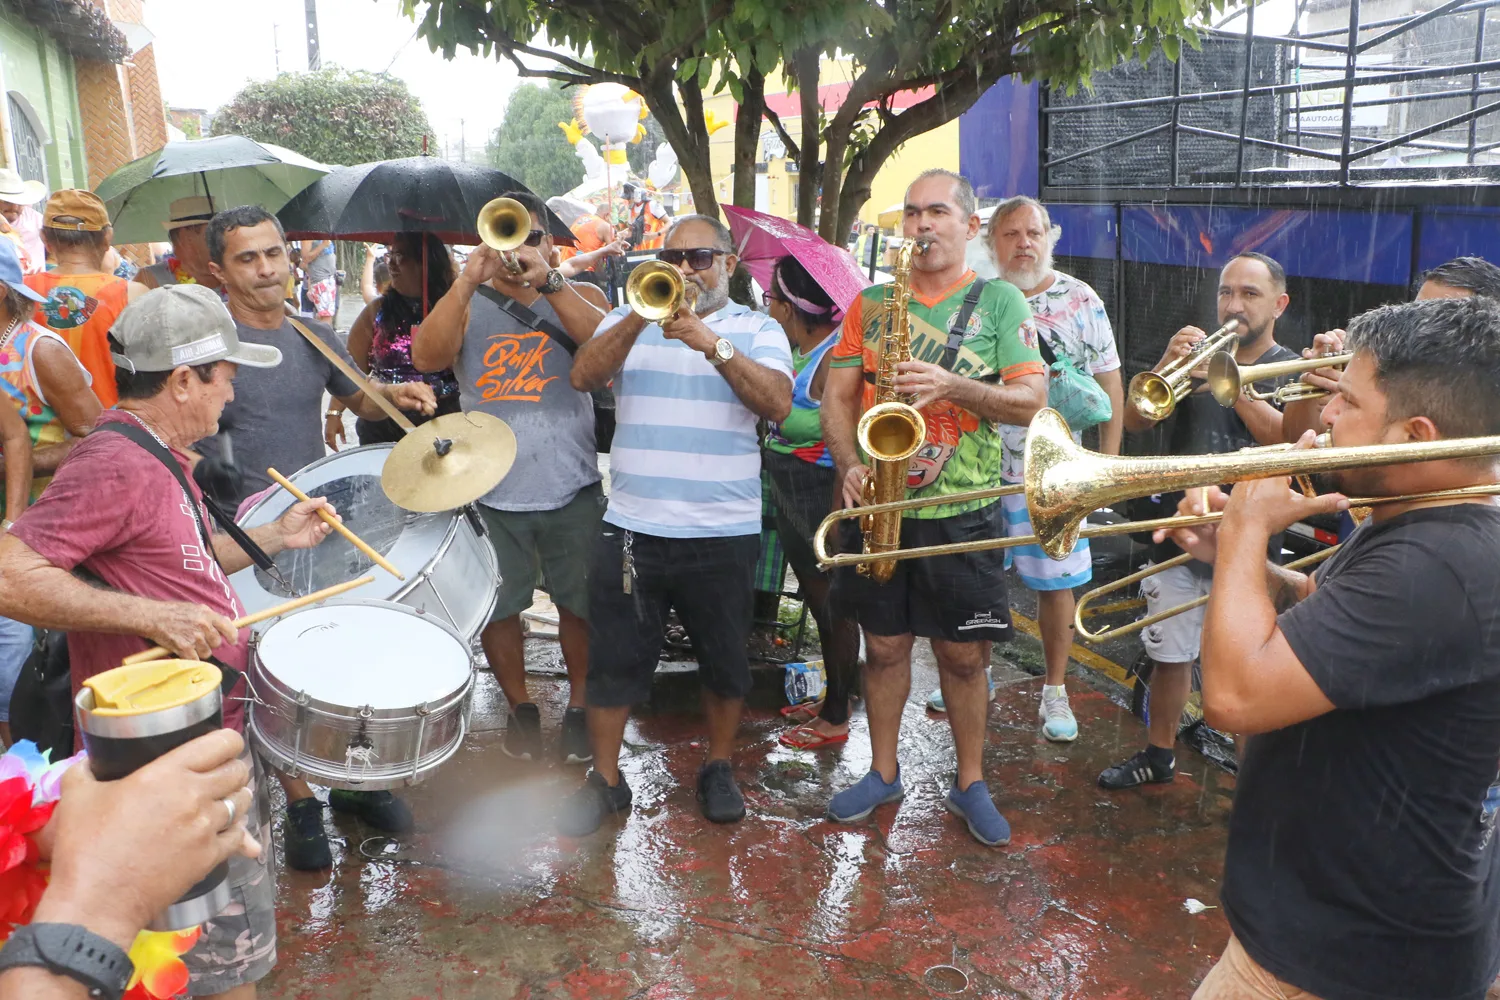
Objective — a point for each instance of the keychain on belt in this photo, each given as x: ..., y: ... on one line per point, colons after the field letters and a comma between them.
x: 629, y: 563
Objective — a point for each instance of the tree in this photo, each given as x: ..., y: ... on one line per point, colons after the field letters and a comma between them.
x: 640, y: 154
x: 671, y: 53
x: 530, y: 147
x: 333, y: 116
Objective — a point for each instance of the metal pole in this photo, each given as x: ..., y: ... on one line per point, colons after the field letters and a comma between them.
x: 1474, y: 81
x: 1239, y: 152
x: 1172, y: 152
x: 314, y: 58
x: 1351, y: 61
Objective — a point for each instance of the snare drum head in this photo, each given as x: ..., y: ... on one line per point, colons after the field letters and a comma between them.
x: 365, y: 653
x: 351, y: 482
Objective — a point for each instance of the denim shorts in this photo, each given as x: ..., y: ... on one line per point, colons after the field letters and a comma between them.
x: 15, y: 647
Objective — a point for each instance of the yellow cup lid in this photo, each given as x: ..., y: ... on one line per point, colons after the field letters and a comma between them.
x: 152, y: 687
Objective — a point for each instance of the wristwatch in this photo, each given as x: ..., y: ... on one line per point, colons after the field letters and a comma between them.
x: 555, y: 283
x: 72, y: 951
x: 723, y: 351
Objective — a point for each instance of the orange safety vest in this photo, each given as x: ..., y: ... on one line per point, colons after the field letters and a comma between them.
x: 80, y: 308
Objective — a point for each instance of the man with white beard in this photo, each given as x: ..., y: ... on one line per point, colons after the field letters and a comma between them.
x: 1073, y: 328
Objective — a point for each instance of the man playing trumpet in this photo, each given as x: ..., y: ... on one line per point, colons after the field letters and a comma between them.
x: 1362, y: 858
x: 1252, y: 291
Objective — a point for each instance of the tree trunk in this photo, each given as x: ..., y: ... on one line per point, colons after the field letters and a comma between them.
x: 747, y: 136
x: 807, y: 63
x: 684, y: 135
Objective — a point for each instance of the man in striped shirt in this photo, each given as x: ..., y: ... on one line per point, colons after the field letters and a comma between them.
x: 683, y: 526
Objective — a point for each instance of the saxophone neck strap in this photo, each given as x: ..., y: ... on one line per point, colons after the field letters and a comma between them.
x: 961, y: 323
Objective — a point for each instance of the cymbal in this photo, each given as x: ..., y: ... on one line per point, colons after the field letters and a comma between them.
x: 449, y: 461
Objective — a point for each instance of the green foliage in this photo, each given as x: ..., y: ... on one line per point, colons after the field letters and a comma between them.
x: 530, y: 147
x: 334, y: 116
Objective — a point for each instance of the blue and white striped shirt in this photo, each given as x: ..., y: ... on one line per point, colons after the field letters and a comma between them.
x: 685, y: 461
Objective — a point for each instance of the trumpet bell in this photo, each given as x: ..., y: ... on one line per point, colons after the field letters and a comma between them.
x: 1224, y: 379
x: 1152, y: 396
x: 655, y: 290
x: 891, y: 432
x: 504, y: 224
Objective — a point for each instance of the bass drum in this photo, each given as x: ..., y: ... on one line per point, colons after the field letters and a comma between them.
x: 446, y: 557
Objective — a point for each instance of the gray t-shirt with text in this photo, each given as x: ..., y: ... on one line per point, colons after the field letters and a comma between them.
x: 522, y: 377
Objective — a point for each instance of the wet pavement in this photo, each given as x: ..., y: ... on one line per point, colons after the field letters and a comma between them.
x: 485, y: 901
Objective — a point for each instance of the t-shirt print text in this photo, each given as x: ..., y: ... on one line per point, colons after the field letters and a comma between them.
x: 515, y: 368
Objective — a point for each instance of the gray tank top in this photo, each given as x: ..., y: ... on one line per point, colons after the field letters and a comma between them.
x: 521, y: 376
x: 162, y: 273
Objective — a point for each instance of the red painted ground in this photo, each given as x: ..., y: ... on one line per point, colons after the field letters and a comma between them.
x: 1086, y: 902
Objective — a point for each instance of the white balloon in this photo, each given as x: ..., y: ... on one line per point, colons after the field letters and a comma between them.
x: 663, y: 168
x: 593, y: 163
x: 611, y: 112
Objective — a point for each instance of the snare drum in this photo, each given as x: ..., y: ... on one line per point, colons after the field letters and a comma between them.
x: 361, y: 695
x: 448, y: 561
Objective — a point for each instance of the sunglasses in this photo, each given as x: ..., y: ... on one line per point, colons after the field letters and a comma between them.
x: 699, y: 258
x: 535, y: 237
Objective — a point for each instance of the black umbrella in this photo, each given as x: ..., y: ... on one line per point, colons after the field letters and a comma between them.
x: 420, y: 194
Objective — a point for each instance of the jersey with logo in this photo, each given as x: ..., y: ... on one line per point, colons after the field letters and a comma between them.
x: 962, y: 451
x: 80, y: 308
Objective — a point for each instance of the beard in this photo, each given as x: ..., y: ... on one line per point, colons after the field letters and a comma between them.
x: 710, y: 300
x: 1028, y: 273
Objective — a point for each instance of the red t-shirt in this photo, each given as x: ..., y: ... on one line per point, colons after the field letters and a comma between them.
x: 118, y: 512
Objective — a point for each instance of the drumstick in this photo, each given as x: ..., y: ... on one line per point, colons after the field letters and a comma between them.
x: 157, y: 652
x: 337, y: 525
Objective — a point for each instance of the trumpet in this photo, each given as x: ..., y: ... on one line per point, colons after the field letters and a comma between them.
x: 503, y: 226
x: 1066, y: 482
x: 1227, y: 379
x: 1156, y: 394
x: 656, y: 291
x: 1191, y: 520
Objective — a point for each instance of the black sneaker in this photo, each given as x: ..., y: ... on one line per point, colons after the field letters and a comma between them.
x: 306, y: 842
x: 523, y: 733
x: 573, y: 745
x: 718, y: 794
x: 585, y: 810
x: 382, y: 810
x: 1142, y: 769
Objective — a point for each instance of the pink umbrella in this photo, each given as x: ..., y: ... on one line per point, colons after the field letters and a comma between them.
x: 764, y: 239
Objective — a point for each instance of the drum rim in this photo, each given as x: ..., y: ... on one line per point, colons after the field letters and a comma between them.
x: 267, y: 683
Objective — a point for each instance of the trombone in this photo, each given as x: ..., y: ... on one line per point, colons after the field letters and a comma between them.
x: 1104, y: 634
x: 1227, y: 379
x: 1156, y: 394
x: 1066, y: 482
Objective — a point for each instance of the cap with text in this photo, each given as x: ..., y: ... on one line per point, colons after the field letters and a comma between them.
x: 182, y: 325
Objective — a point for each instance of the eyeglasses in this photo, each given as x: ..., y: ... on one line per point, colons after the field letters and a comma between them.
x: 766, y: 298
x: 698, y: 258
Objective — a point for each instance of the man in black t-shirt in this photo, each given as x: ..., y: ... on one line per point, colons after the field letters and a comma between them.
x: 1362, y: 859
x: 1252, y: 290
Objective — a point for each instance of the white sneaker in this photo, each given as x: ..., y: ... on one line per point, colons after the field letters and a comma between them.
x: 935, y: 698
x: 1058, y: 724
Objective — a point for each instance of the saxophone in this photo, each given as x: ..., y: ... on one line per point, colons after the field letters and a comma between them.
x: 892, y: 430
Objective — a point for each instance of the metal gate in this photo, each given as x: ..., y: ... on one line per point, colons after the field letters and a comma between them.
x: 31, y: 161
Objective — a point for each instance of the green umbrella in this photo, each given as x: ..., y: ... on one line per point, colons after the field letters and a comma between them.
x: 230, y: 169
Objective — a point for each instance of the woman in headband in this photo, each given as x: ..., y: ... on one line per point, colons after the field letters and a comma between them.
x: 802, y: 486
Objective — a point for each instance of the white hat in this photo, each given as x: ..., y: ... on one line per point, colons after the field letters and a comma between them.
x: 18, y: 192
x: 192, y: 211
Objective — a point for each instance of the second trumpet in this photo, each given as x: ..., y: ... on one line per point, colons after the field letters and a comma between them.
x: 1228, y: 380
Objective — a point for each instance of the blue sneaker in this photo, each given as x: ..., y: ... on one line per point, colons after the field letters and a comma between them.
x: 864, y: 797
x: 935, y: 699
x: 976, y: 808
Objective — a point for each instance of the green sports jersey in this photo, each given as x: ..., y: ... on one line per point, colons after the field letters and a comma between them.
x: 962, y: 451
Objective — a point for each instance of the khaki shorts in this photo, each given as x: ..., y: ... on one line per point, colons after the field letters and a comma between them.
x: 239, y: 945
x: 1237, y: 976
x: 1176, y: 639
x: 545, y: 548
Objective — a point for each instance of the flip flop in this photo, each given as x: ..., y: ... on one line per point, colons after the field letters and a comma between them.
x: 808, y: 738
x: 803, y: 711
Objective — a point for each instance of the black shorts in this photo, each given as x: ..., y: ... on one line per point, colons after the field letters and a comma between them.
x: 803, y: 494
x: 959, y: 598
x: 709, y: 581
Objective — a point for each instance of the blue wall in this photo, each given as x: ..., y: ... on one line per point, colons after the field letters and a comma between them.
x: 997, y: 141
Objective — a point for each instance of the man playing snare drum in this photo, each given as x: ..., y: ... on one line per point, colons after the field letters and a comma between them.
x: 118, y: 514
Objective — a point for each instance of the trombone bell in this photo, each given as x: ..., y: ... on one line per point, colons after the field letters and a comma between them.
x: 504, y: 224
x: 655, y: 290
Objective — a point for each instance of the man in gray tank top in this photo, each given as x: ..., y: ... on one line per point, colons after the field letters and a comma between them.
x: 188, y: 264
x: 543, y: 515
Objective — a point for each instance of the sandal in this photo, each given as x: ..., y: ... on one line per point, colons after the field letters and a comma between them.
x: 808, y: 738
x: 803, y: 711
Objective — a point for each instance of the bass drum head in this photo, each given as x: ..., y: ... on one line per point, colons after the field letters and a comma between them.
x: 365, y: 653
x: 351, y: 482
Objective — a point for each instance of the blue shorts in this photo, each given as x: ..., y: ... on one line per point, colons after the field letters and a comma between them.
x: 15, y: 647
x: 1036, y: 569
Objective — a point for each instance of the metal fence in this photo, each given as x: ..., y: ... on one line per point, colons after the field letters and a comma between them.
x: 1339, y: 100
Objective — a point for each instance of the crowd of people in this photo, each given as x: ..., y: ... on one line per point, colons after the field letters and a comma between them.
x: 1360, y: 860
